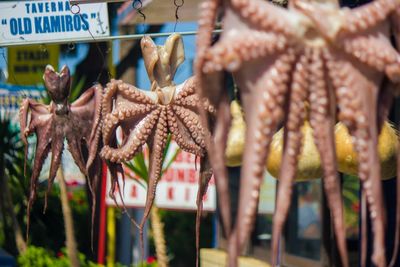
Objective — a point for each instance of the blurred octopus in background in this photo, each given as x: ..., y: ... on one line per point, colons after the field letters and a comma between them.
x: 289, y: 64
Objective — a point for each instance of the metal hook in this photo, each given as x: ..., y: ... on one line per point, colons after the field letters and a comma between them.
x: 71, y: 47
x: 75, y: 7
x: 138, y: 5
x: 177, y: 6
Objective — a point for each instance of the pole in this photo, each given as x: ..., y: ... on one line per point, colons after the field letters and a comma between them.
x: 102, y: 217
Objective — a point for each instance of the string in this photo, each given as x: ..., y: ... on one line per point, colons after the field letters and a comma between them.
x: 138, y: 5
x: 76, y: 10
x: 12, y: 73
x: 177, y: 6
x: 70, y: 48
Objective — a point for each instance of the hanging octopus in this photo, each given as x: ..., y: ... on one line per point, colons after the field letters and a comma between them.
x: 282, y: 58
x: 78, y: 122
x: 150, y: 116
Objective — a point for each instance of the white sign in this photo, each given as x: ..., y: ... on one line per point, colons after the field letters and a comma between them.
x: 25, y: 22
x: 177, y: 188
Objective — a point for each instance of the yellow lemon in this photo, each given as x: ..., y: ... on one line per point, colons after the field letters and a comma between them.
x: 309, y: 164
x: 236, y: 136
x: 387, y: 146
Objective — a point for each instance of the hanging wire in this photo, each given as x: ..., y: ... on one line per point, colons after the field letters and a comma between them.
x: 177, y: 6
x: 138, y: 5
x: 70, y: 48
x: 12, y: 73
x: 76, y: 10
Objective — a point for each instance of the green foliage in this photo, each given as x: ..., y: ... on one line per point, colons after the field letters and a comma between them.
x: 139, y: 167
x: 351, y: 203
x: 40, y: 257
x: 12, y: 174
x: 47, y: 230
x: 35, y: 256
x: 146, y: 264
x: 181, y: 238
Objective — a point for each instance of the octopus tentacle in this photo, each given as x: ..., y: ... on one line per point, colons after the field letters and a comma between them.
x: 322, y: 119
x: 269, y: 112
x: 263, y: 15
x: 113, y: 119
x: 292, y: 146
x: 395, y: 23
x: 190, y: 101
x: 350, y: 103
x: 93, y: 97
x: 135, y: 140
x: 207, y: 16
x: 230, y: 54
x: 191, y: 122
x: 204, y: 179
x: 133, y: 94
x: 376, y: 52
x: 109, y: 92
x: 386, y: 97
x: 181, y: 135
x: 188, y: 98
x: 86, y: 97
x: 188, y: 89
x: 129, y: 92
x: 74, y: 147
x: 367, y: 16
x: 157, y: 147
x: 42, y: 150
x: 57, y: 146
x: 93, y: 182
x: 217, y: 155
x: 23, y: 118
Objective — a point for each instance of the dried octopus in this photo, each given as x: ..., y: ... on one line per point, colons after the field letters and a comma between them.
x: 339, y: 65
x: 78, y: 122
x: 150, y: 116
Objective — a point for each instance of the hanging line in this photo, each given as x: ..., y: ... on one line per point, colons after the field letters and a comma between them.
x: 12, y: 72
x: 138, y: 5
x: 177, y: 6
x: 76, y: 10
x: 112, y: 38
x: 70, y: 47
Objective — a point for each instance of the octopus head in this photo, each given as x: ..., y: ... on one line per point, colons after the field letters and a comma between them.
x: 162, y: 61
x: 58, y: 86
